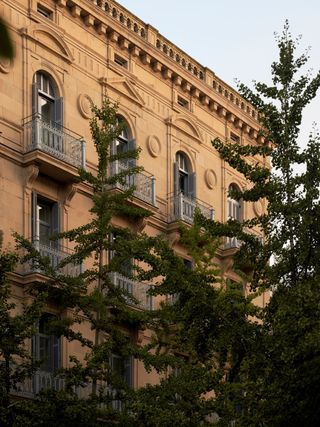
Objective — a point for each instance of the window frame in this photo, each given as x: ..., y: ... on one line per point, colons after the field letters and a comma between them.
x: 54, y: 223
x: 121, y: 61
x: 183, y: 102
x: 234, y: 205
x: 45, y: 11
x: 235, y: 212
x: 184, y: 177
x: 44, y: 88
x: 235, y: 137
x: 53, y: 342
x: 126, y: 363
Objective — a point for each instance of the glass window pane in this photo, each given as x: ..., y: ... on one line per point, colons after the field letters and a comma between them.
x: 44, y: 213
x: 46, y: 108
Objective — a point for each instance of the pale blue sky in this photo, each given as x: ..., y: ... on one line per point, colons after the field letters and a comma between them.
x: 236, y: 38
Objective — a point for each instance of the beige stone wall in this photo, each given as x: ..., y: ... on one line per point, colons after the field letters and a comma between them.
x: 77, y: 47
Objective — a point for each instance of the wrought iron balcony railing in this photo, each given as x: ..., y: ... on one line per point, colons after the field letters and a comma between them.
x: 41, y: 380
x: 138, y: 290
x: 232, y: 242
x: 145, y: 185
x: 53, y: 139
x: 183, y: 208
x: 56, y: 254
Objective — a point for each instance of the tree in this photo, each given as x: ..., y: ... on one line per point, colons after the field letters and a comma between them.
x: 6, y: 47
x: 280, y: 367
x: 96, y: 387
x: 201, y: 333
x: 17, y: 327
x: 198, y: 337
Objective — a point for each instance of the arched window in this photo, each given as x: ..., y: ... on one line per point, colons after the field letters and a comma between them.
x: 184, y: 178
x: 124, y: 141
x: 121, y: 145
x: 234, y: 206
x: 45, y: 99
x: 234, y: 212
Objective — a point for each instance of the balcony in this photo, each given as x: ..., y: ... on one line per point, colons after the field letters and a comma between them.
x: 40, y: 381
x: 232, y: 243
x: 183, y: 208
x: 56, y: 254
x: 138, y: 290
x: 145, y: 185
x: 53, y: 147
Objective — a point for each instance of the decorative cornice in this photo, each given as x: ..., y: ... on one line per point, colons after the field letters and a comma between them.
x: 111, y: 20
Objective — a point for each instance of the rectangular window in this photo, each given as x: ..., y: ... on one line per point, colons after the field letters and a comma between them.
x: 45, y: 221
x: 44, y: 11
x: 46, y: 346
x: 125, y: 264
x: 122, y: 366
x: 183, y: 102
x: 234, y: 137
x: 121, y: 61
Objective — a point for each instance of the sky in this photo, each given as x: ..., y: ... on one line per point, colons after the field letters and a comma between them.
x: 235, y: 39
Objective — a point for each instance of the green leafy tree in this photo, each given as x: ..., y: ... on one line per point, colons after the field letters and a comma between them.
x: 6, y: 46
x: 98, y: 385
x: 17, y: 328
x: 279, y: 370
x: 200, y: 336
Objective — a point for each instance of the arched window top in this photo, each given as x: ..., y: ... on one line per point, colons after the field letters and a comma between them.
x: 184, y: 179
x: 45, y: 84
x: 183, y: 162
x: 45, y: 99
x: 234, y: 206
x: 126, y: 134
x: 124, y: 141
x: 234, y: 187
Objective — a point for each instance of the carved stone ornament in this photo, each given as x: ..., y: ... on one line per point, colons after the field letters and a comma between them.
x: 5, y: 65
x: 258, y: 208
x: 210, y: 178
x: 85, y: 104
x: 173, y: 238
x: 31, y: 173
x: 154, y: 146
x: 140, y: 337
x: 69, y: 193
x: 141, y: 224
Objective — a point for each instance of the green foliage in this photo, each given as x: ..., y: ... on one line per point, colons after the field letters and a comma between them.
x: 6, y: 46
x: 219, y: 357
x: 92, y: 386
x: 280, y: 367
x: 17, y: 326
x: 200, y: 333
